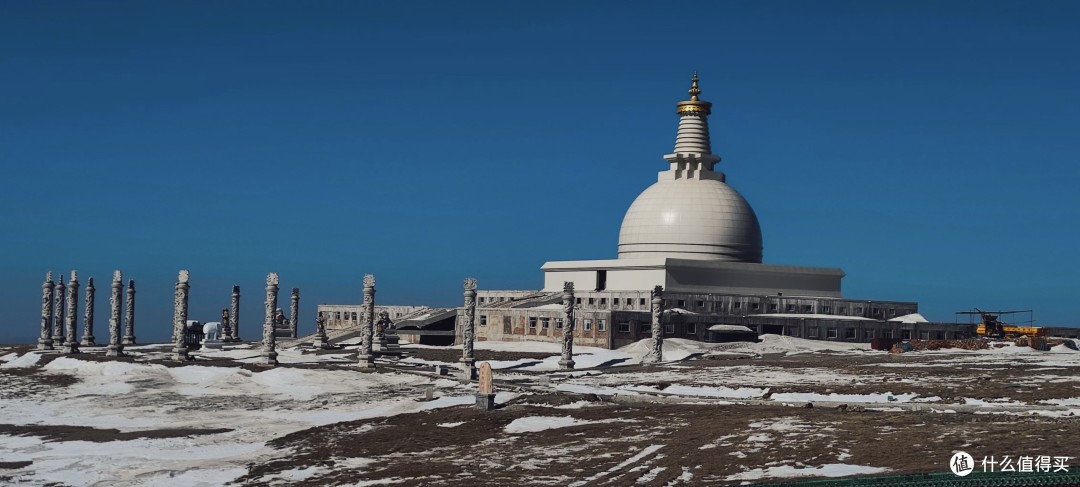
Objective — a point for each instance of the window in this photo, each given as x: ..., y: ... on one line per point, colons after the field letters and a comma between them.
x: 603, y: 301
x: 667, y: 304
x: 614, y: 301
x: 827, y: 309
x: 701, y: 304
x: 545, y: 323
x: 811, y: 332
x: 624, y: 326
x: 481, y: 300
x: 892, y: 312
x: 592, y: 301
x: 483, y: 320
x: 354, y: 316
x: 337, y: 315
x: 849, y: 333
x: 558, y: 323
x: 877, y: 312
x: 791, y: 331
x: 601, y: 325
x: 773, y: 306
x: 532, y: 322
x: 641, y: 302
x: 887, y: 334
x: 669, y: 329
x: 858, y: 310
x: 843, y: 309
x: 807, y: 308
x: 868, y: 334
x: 737, y: 305
x: 791, y: 308
x: 756, y: 306
x: 588, y: 324
x: 577, y: 301
x: 831, y: 333
x: 682, y: 303
x: 691, y: 328
x: 645, y: 327
x: 905, y: 334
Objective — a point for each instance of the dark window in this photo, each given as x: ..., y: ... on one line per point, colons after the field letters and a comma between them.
x: 905, y: 334
x: 849, y: 333
x: 807, y: 308
x: 682, y: 303
x: 756, y: 306
x: 737, y: 305
x: 588, y: 324
x: 354, y: 316
x: 669, y: 329
x: 792, y: 331
x: 876, y: 311
x: 558, y: 323
x: 924, y: 335
x: 791, y: 307
x: 826, y: 309
x: 691, y: 328
x: 843, y: 309
x: 892, y: 312
x: 483, y: 320
x: 773, y: 306
x: 624, y: 326
x: 545, y: 323
x: 887, y: 334
x: 831, y: 333
x: 641, y: 302
x: 532, y: 322
x: 592, y: 300
x: 603, y: 301
x: 601, y: 325
x: 858, y: 310
x: 337, y: 315
x: 577, y: 300
x: 701, y: 304
x: 481, y: 300
x: 645, y: 327
x: 615, y: 301
x: 811, y: 332
x: 869, y: 334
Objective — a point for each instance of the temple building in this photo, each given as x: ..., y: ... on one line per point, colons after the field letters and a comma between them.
x: 695, y: 236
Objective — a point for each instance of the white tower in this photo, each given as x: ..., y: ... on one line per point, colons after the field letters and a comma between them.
x: 690, y: 212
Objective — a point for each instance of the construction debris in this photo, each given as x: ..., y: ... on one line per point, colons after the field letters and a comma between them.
x: 920, y: 345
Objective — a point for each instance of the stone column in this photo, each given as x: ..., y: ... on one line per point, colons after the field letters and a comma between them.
x: 468, y: 332
x: 567, y: 361
x: 88, y: 316
x: 234, y: 315
x: 129, y: 315
x: 180, y: 315
x: 71, y: 339
x: 294, y: 311
x: 116, y: 347
x: 366, y: 358
x: 225, y: 327
x: 45, y: 341
x: 656, y: 349
x: 269, y: 348
x: 58, y: 312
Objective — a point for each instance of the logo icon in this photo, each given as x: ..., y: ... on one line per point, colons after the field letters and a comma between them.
x: 962, y: 464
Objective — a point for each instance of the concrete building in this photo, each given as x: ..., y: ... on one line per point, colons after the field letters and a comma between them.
x: 698, y: 238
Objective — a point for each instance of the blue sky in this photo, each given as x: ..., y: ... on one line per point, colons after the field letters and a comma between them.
x: 929, y: 149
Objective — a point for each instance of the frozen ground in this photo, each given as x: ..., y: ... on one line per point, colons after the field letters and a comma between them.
x: 713, y: 414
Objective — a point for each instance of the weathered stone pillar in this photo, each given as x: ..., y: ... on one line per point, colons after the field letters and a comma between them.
x: 225, y: 327
x: 45, y: 341
x: 234, y: 315
x: 485, y: 396
x: 180, y: 315
x: 269, y: 349
x: 58, y: 312
x: 294, y: 311
x: 656, y: 349
x: 129, y: 315
x: 116, y: 347
x: 88, y: 316
x: 71, y: 338
x: 468, y: 331
x: 366, y: 358
x: 567, y: 361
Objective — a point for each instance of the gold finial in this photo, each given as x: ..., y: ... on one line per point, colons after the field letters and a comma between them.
x: 694, y: 106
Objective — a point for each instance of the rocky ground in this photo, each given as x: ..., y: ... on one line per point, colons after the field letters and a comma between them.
x: 782, y: 410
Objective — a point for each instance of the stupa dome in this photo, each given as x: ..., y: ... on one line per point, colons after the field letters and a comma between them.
x: 691, y: 212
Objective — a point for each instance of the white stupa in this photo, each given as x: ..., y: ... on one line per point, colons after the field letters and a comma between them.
x: 691, y: 232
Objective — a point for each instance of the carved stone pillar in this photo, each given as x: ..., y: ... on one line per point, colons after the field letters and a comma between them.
x: 225, y: 327
x: 656, y: 349
x: 294, y: 311
x: 567, y: 361
x: 71, y: 343
x: 269, y: 348
x: 468, y: 330
x: 58, y: 312
x: 180, y: 316
x: 116, y: 346
x: 234, y: 315
x: 88, y: 316
x: 129, y: 315
x: 366, y: 358
x: 45, y: 341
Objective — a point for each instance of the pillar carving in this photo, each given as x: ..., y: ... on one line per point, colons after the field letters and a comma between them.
x: 294, y: 311
x: 88, y: 315
x: 129, y: 314
x: 180, y: 316
x: 45, y: 341
x: 656, y: 347
x: 366, y: 358
x: 567, y: 361
x: 71, y: 343
x: 58, y: 312
x: 234, y: 315
x: 468, y: 330
x: 269, y: 341
x: 116, y: 347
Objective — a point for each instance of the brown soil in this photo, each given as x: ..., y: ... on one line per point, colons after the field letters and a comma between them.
x: 98, y: 435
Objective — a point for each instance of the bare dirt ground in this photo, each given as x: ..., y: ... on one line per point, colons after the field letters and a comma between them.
x: 552, y: 434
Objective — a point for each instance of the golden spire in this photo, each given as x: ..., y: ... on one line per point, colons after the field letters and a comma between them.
x: 694, y: 106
